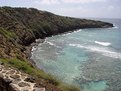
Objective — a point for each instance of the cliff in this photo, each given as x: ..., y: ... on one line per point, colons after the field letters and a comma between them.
x: 19, y: 27
x: 30, y: 24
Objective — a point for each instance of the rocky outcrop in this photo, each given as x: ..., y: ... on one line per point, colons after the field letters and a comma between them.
x: 14, y: 80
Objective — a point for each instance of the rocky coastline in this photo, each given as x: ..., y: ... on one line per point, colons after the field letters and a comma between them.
x: 19, y: 30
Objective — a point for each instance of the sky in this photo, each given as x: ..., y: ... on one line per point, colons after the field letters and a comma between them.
x: 73, y: 8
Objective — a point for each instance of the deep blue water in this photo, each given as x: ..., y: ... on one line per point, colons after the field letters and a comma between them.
x: 88, y: 58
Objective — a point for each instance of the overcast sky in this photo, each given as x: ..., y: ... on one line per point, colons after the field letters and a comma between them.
x: 74, y: 8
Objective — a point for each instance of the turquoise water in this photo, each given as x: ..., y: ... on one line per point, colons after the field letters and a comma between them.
x: 95, y: 86
x: 88, y: 58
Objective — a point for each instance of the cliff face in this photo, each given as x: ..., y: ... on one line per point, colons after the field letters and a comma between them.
x: 30, y: 24
x: 19, y: 27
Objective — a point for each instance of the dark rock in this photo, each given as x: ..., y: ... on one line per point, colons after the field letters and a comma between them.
x: 7, y: 81
x: 1, y: 63
x: 30, y: 79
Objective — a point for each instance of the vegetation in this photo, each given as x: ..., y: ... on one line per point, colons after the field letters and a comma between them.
x: 9, y: 35
x: 29, y: 69
x: 67, y: 87
x: 30, y: 24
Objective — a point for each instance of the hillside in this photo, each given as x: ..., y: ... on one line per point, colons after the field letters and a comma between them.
x: 20, y: 27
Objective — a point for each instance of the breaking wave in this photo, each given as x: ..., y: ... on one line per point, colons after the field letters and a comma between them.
x: 103, y: 51
x: 50, y: 43
x: 68, y: 33
x: 103, y: 43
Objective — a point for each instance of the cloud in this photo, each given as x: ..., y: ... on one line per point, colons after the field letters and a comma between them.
x: 48, y: 2
x: 75, y: 10
x: 83, y: 1
x: 111, y: 7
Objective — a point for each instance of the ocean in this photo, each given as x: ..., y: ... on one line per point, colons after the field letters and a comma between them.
x: 88, y: 58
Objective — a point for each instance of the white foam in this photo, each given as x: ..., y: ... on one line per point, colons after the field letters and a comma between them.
x: 71, y: 32
x: 103, y: 51
x: 78, y: 31
x: 66, y: 34
x: 77, y: 45
x: 103, y: 43
x: 115, y: 27
x: 50, y: 43
x: 33, y: 48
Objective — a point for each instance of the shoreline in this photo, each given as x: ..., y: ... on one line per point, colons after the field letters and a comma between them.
x: 29, y: 49
x: 65, y: 34
x: 32, y: 47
